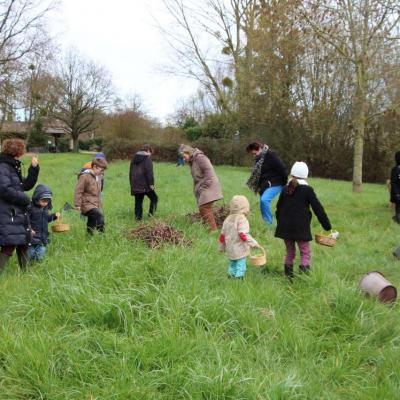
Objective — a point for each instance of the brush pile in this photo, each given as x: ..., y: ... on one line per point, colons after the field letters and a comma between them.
x: 220, y: 213
x: 159, y: 233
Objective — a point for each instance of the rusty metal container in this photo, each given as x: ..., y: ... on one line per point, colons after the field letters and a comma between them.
x: 375, y: 284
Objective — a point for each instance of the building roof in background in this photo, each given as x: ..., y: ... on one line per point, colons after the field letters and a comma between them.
x: 50, y: 127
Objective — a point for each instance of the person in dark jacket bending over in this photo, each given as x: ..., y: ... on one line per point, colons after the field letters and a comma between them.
x: 141, y: 178
x: 15, y: 229
x: 268, y: 177
x: 294, y: 217
x: 395, y: 187
x: 40, y: 218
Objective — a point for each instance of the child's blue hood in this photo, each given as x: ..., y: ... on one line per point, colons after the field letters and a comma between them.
x: 40, y: 192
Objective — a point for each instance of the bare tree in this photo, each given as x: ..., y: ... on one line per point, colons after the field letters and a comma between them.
x: 211, y: 40
x: 358, y: 30
x: 21, y: 27
x: 84, y: 91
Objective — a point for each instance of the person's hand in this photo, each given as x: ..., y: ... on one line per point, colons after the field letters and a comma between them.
x: 77, y: 208
x: 33, y: 232
x: 152, y: 187
x: 58, y: 215
x: 35, y: 161
x: 255, y: 246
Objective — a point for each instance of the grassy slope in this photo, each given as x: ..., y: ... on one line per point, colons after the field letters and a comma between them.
x: 109, y: 319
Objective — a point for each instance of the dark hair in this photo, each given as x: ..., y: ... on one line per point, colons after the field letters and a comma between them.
x: 291, y: 186
x: 254, y: 146
x: 13, y: 147
x: 148, y: 148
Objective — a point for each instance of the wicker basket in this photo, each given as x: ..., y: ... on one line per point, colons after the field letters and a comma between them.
x: 325, y: 240
x: 60, y: 227
x: 259, y: 259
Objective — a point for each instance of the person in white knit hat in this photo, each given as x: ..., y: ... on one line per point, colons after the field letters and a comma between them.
x: 294, y: 217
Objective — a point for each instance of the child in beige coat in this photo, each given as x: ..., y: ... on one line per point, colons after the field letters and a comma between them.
x: 235, y: 238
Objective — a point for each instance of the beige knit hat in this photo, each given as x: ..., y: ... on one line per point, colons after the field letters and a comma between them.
x: 239, y: 205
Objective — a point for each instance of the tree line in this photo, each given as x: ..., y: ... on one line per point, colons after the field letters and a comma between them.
x: 315, y: 79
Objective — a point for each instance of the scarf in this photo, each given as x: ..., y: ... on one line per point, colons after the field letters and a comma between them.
x: 254, y: 181
x: 16, y: 164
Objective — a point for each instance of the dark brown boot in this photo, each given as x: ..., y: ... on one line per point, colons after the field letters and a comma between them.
x: 3, y: 261
x: 304, y: 269
x: 22, y: 255
x: 289, y: 271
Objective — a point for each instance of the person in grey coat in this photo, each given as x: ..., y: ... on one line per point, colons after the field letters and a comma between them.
x: 207, y: 188
x: 141, y: 178
x: 15, y: 228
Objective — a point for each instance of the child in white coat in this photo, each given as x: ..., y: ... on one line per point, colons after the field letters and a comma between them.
x: 235, y: 238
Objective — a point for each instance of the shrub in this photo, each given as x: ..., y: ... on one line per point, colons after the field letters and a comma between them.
x: 63, y: 145
x: 37, y: 138
x: 124, y: 149
x: 194, y: 133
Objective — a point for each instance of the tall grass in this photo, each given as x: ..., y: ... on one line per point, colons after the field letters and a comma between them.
x: 107, y: 318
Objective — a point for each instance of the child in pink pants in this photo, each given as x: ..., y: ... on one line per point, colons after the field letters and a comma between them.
x: 294, y: 217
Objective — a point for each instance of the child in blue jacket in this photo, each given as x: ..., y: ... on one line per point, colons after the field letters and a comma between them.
x: 39, y: 219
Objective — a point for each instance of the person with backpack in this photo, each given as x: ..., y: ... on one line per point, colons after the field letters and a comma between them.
x: 294, y: 217
x: 15, y: 228
x: 141, y: 178
x: 268, y: 177
x: 395, y: 187
x: 88, y: 195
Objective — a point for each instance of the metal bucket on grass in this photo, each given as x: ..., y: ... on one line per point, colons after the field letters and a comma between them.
x: 375, y: 284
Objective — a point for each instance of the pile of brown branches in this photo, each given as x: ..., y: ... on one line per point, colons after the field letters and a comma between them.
x: 220, y: 214
x: 159, y: 233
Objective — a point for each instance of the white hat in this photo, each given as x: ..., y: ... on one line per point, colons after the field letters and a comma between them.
x: 299, y: 170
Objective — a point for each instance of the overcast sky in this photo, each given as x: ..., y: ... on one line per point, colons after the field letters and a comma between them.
x: 122, y: 35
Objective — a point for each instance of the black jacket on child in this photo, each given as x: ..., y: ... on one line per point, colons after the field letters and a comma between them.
x: 14, y: 220
x: 395, y: 181
x: 293, y: 214
x: 40, y: 216
x: 273, y: 172
x: 141, y: 175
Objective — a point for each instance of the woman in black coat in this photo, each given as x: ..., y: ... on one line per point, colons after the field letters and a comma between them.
x: 395, y: 187
x: 141, y: 178
x: 15, y: 230
x: 294, y: 217
x: 268, y: 177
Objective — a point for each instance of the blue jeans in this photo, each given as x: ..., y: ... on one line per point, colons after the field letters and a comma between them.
x: 237, y: 268
x: 36, y: 252
x: 265, y: 202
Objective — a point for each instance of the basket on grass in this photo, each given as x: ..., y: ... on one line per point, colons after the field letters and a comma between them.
x: 59, y: 226
x: 325, y: 240
x: 259, y: 259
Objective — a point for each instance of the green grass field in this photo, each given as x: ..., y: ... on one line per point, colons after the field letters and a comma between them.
x: 107, y: 318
